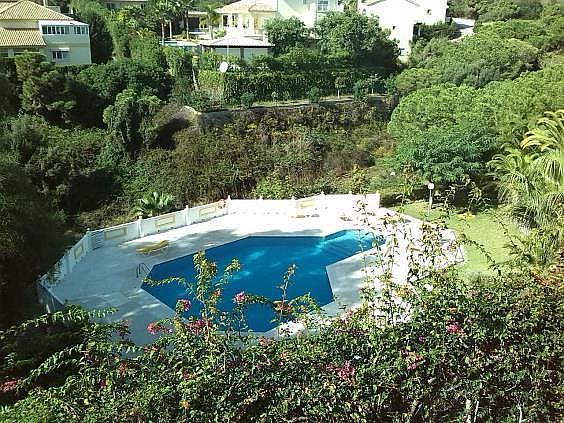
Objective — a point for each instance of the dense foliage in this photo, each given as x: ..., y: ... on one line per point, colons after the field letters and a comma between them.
x: 359, y: 38
x: 286, y: 34
x: 84, y: 146
x: 453, y: 114
x: 28, y: 225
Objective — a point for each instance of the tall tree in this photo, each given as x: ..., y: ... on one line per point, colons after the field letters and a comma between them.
x: 95, y: 15
x: 212, y: 17
x: 360, y: 38
x: 286, y: 33
x: 45, y: 90
x: 30, y: 236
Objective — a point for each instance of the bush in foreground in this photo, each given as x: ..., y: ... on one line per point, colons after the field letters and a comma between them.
x: 485, y: 350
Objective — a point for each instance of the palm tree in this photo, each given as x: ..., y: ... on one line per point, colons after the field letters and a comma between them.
x: 530, y: 180
x: 548, y: 140
x: 212, y: 17
x: 164, y: 11
x: 185, y: 6
x: 153, y: 204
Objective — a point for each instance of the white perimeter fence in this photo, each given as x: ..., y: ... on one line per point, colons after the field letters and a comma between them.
x: 337, y: 205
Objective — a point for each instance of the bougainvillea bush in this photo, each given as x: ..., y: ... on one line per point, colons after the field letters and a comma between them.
x: 482, y: 350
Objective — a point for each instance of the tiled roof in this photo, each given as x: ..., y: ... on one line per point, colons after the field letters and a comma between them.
x: 235, y: 42
x: 29, y: 11
x: 248, y: 6
x: 21, y: 38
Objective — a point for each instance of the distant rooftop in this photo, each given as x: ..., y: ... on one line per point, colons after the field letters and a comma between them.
x: 29, y: 11
x: 248, y: 6
x: 21, y: 38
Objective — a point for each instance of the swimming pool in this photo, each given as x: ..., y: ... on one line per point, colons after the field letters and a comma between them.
x: 264, y: 261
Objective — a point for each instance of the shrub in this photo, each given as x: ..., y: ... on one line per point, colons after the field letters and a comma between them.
x: 314, y: 95
x: 361, y: 89
x: 200, y: 101
x: 247, y: 100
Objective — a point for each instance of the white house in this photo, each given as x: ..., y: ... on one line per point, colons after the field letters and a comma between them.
x: 28, y: 26
x: 248, y: 17
x: 401, y: 17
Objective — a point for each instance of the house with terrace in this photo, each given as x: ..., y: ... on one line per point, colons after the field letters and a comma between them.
x: 28, y: 26
x: 248, y: 17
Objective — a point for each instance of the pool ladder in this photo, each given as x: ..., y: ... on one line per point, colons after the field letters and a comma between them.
x: 142, y: 270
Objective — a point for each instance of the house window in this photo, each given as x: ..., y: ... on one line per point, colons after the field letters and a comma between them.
x: 4, y: 52
x: 56, y: 30
x: 81, y: 30
x: 111, y: 6
x: 429, y: 11
x: 322, y: 5
x: 305, y: 1
x: 60, y: 55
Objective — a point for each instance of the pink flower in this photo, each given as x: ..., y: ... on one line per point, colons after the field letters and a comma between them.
x: 122, y: 368
x: 102, y: 384
x: 413, y: 360
x: 155, y: 327
x: 8, y: 386
x: 262, y: 341
x: 453, y: 327
x: 184, y: 304
x: 239, y: 298
x: 197, y: 326
x: 421, y: 339
x: 345, y: 372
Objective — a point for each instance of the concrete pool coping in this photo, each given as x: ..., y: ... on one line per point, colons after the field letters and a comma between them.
x: 106, y: 277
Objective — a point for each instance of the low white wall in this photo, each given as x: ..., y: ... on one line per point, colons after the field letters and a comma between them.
x: 163, y: 222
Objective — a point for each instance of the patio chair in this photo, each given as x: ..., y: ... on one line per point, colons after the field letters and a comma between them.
x: 153, y: 248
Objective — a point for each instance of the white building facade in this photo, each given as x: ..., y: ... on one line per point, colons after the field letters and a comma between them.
x: 401, y: 17
x: 248, y: 17
x: 27, y: 26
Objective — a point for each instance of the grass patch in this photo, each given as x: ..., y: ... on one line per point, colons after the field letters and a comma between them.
x: 489, y: 228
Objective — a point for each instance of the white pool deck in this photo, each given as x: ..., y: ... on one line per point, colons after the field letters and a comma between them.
x: 106, y: 277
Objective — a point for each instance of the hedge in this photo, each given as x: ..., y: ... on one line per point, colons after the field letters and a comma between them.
x: 229, y: 87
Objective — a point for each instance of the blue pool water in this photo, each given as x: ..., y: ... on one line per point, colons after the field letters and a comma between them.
x: 264, y: 261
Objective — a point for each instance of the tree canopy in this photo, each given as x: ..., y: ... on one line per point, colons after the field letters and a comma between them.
x: 286, y: 34
x: 358, y: 37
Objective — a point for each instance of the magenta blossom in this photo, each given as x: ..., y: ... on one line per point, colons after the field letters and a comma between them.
x: 453, y: 327
x: 184, y: 304
x: 345, y: 372
x: 8, y: 386
x: 155, y: 327
x: 239, y: 298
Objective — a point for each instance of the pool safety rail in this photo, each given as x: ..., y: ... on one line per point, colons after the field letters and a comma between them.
x: 319, y: 205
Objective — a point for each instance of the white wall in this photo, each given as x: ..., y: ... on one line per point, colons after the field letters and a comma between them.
x: 78, y: 48
x: 306, y: 10
x: 400, y: 16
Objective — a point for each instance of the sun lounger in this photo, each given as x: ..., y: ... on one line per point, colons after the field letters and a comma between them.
x: 153, y: 248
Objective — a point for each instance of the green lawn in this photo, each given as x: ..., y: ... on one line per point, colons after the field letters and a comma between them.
x: 488, y: 228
